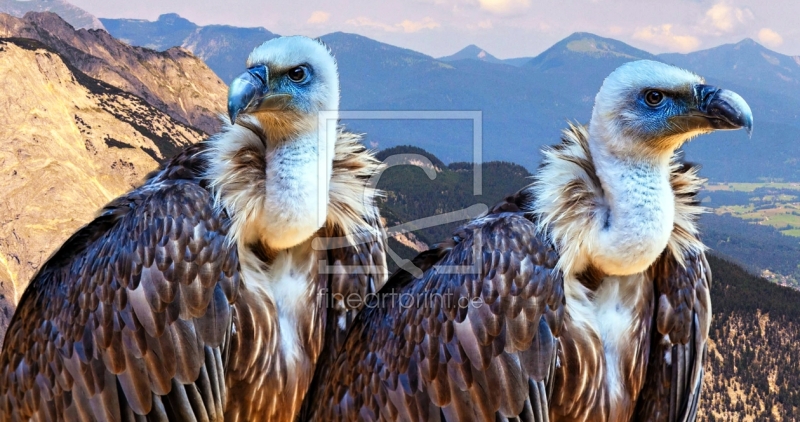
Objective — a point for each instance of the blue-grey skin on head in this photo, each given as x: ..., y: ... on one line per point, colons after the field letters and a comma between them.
x: 287, y: 73
x: 661, y: 106
x: 701, y: 108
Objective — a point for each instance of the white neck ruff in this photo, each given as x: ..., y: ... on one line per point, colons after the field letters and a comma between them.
x: 612, y: 213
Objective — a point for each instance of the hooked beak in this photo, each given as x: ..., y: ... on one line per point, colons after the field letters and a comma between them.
x: 720, y: 109
x: 250, y: 92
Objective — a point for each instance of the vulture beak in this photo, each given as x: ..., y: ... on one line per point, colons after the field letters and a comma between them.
x: 718, y: 109
x: 250, y: 92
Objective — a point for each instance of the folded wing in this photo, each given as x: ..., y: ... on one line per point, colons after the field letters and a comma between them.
x: 474, y: 339
x: 131, y: 316
x: 679, y: 341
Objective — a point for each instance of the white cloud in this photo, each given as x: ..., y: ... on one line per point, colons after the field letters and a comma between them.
x: 616, y: 30
x: 483, y: 25
x: 726, y: 18
x: 363, y: 21
x: 770, y: 38
x: 319, y: 17
x: 662, y: 36
x: 504, y: 7
x: 411, y: 26
x: 407, y: 26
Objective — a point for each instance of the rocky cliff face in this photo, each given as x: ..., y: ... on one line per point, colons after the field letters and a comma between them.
x: 68, y: 144
x: 174, y: 81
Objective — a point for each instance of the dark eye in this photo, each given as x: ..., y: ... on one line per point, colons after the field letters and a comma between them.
x: 298, y: 74
x: 653, y: 98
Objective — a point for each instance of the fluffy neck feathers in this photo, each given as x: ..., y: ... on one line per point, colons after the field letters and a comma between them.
x: 271, y: 192
x: 610, y: 213
x: 635, y: 214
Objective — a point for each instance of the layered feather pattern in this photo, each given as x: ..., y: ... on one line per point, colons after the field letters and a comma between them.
x: 523, y: 355
x: 145, y: 311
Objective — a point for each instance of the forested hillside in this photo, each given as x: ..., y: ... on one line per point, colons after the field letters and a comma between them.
x: 756, y: 246
x: 411, y: 194
x: 753, y: 368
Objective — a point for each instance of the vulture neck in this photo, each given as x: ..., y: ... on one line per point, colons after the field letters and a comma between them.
x: 276, y: 189
x: 285, y: 282
x: 637, y: 208
x: 610, y: 212
x: 279, y: 197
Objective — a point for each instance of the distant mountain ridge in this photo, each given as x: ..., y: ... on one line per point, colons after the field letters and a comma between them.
x: 224, y: 48
x: 74, y: 15
x: 473, y: 52
x: 169, y: 30
x: 525, y: 106
x: 583, y: 47
x: 767, y: 69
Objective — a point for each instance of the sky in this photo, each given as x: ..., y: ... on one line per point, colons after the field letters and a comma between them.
x: 504, y: 28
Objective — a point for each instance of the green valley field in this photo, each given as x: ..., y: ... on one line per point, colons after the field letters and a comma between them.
x: 771, y: 204
x: 758, y: 225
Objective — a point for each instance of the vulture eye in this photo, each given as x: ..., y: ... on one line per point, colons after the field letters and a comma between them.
x: 654, y: 98
x: 298, y: 74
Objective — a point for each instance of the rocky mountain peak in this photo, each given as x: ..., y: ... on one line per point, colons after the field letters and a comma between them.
x: 71, y: 143
x: 472, y: 51
x: 173, y: 81
x: 173, y: 18
x: 75, y: 16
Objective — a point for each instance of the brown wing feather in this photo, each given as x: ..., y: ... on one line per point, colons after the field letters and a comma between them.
x: 415, y: 354
x: 131, y: 316
x: 352, y: 272
x: 680, y: 335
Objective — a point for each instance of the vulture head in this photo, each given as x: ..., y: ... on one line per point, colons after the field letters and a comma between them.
x: 647, y: 110
x: 271, y: 166
x: 623, y: 213
x: 288, y: 76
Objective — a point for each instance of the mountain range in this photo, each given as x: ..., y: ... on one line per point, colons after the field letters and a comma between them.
x: 224, y: 48
x: 524, y: 103
x: 74, y: 15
